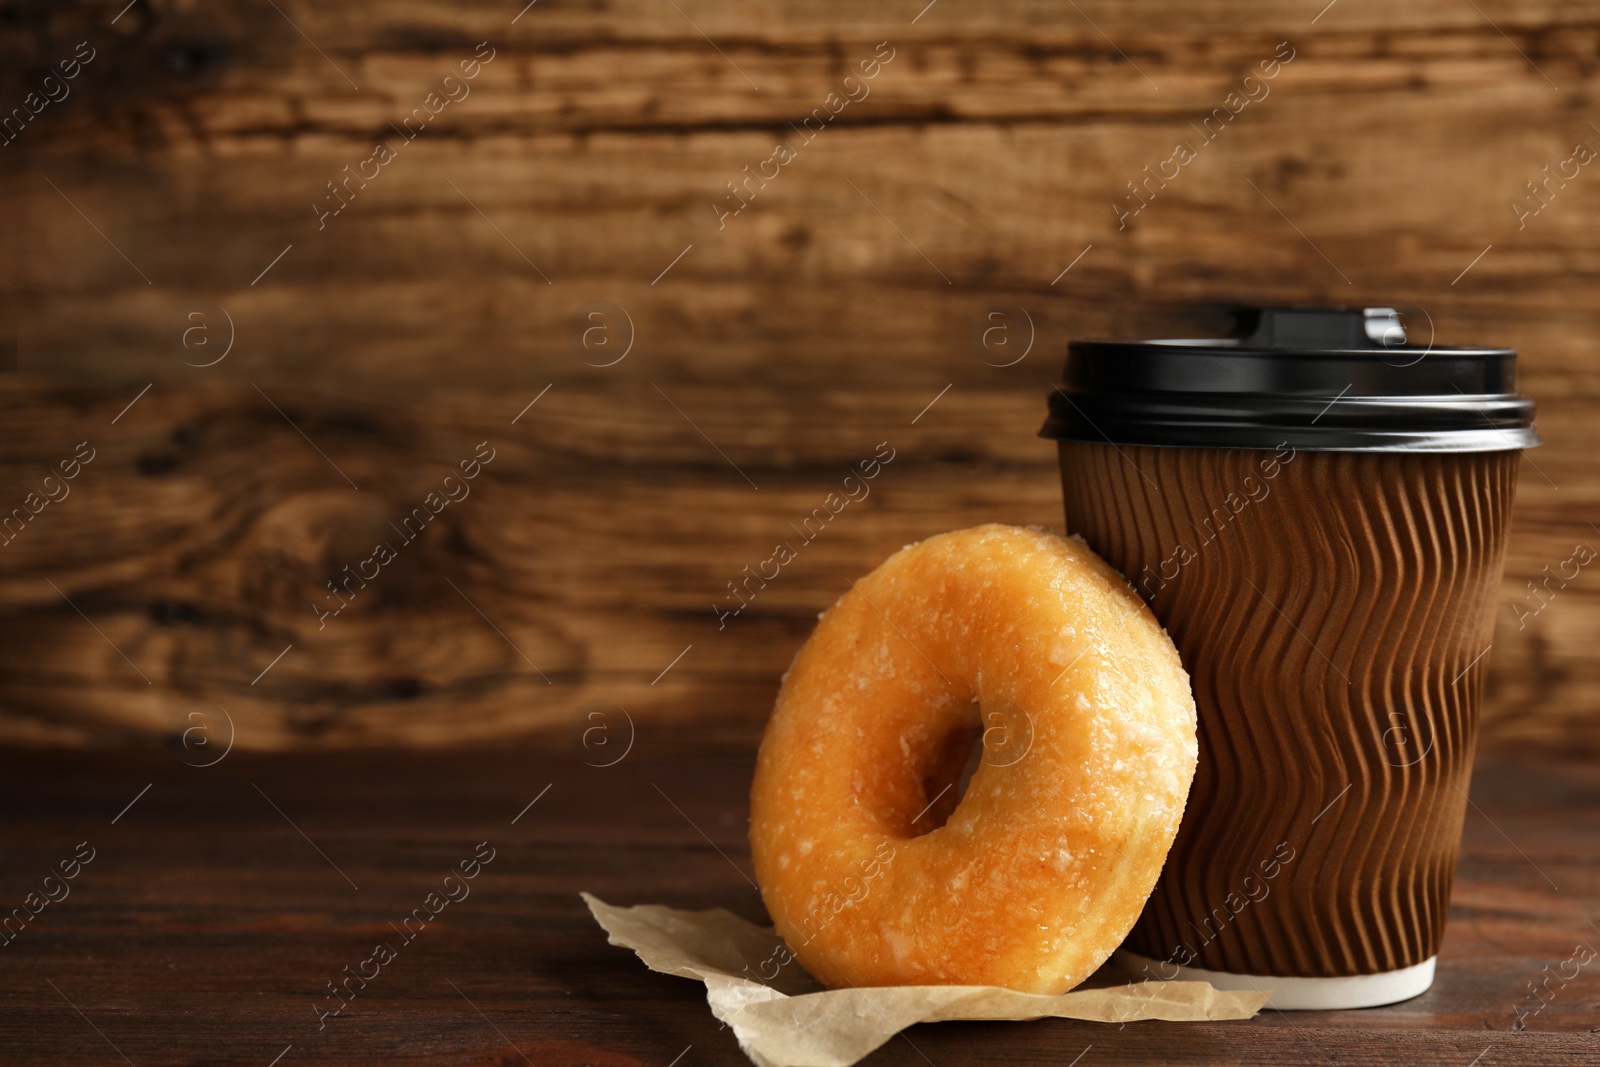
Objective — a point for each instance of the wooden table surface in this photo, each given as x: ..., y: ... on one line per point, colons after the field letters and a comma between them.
x: 219, y: 903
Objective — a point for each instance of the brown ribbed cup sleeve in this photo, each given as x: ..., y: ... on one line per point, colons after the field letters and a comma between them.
x: 1333, y: 610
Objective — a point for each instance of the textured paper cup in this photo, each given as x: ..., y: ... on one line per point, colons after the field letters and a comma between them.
x: 1333, y: 608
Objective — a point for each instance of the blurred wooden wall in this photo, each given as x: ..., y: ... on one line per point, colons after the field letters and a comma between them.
x: 771, y: 350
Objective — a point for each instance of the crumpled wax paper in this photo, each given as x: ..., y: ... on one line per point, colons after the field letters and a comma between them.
x: 792, y: 1021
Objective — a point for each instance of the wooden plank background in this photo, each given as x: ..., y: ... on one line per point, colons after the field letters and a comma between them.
x: 769, y: 353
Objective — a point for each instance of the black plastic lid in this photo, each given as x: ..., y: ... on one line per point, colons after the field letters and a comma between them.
x: 1322, y: 379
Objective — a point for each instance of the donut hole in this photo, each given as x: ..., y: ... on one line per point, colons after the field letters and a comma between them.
x: 953, y: 760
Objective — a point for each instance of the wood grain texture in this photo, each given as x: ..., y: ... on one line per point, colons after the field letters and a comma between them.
x: 206, y: 926
x: 791, y: 337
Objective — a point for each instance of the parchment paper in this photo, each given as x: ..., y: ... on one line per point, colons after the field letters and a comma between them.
x: 792, y: 1021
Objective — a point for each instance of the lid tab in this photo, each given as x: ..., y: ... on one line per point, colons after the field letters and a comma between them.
x: 1324, y: 328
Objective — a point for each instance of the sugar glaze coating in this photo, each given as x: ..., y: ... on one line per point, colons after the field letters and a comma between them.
x: 1020, y: 650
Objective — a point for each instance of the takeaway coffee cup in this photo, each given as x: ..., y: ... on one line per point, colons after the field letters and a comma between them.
x: 1317, y: 512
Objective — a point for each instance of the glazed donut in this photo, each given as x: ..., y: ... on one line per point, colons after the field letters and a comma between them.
x: 1019, y: 651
